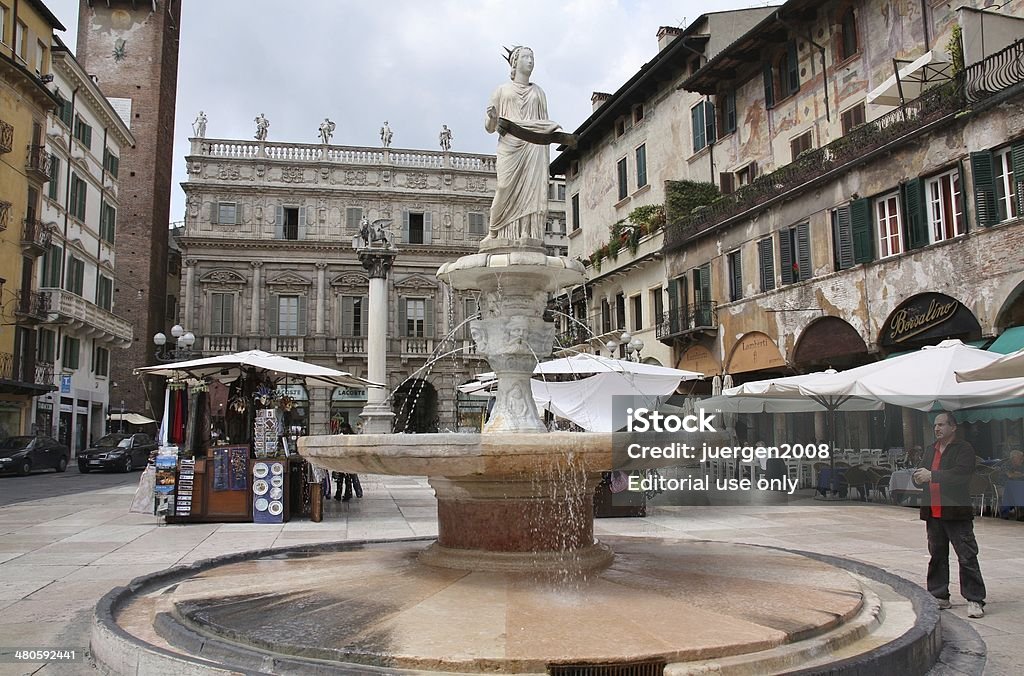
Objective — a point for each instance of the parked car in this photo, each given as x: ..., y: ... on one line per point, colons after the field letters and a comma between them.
x: 24, y: 453
x: 117, y: 451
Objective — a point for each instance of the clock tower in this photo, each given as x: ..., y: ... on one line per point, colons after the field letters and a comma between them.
x: 131, y: 48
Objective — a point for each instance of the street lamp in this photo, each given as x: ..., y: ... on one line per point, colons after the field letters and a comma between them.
x: 183, y: 342
x: 633, y: 346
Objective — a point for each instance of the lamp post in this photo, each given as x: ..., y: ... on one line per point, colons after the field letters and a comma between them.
x: 183, y: 342
x: 633, y: 346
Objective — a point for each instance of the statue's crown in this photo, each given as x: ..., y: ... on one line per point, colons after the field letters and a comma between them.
x: 510, y: 53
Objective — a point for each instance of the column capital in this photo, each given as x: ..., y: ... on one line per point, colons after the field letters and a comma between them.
x: 321, y: 265
x: 377, y: 263
x: 190, y: 262
x: 256, y: 264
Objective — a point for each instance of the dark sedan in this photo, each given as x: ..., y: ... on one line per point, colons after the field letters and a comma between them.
x: 24, y: 454
x: 118, y: 451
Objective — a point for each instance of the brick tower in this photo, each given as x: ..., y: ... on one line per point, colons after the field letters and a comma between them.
x: 132, y: 48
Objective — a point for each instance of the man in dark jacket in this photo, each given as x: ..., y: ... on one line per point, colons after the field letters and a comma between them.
x: 945, y: 476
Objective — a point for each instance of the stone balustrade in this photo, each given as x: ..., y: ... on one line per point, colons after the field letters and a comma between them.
x: 72, y: 308
x: 309, y: 152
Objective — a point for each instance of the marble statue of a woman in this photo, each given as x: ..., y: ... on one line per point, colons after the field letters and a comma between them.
x: 518, y: 111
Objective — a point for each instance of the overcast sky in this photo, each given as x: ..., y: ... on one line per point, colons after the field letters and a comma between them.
x: 416, y: 64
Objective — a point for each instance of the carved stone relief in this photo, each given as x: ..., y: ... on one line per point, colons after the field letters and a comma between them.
x: 292, y: 175
x: 354, y: 177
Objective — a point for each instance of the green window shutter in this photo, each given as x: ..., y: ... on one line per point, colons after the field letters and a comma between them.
x: 74, y: 193
x: 428, y: 317
x: 1017, y: 160
x: 217, y: 313
x: 228, y: 313
x: 673, y: 306
x: 766, y: 257
x: 88, y: 136
x: 863, y: 233
x: 961, y: 200
x: 699, y: 138
x: 302, y: 316
x: 272, y: 308
x: 914, y: 217
x: 403, y: 325
x: 709, y: 122
x: 54, y: 185
x: 302, y: 223
x: 428, y: 228
x: 792, y: 67
x: 704, y: 273
x: 364, y: 321
x: 803, y: 252
x: 786, y: 256
x: 405, y: 228
x: 736, y: 273
x: 843, y: 239
x: 983, y: 173
x: 279, y: 223
x: 641, y: 166
x: 767, y: 75
x: 730, y: 112
x: 348, y: 316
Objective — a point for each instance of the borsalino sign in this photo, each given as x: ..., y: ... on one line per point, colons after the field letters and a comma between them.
x: 928, y: 316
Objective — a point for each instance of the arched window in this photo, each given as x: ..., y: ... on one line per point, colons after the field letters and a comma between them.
x: 848, y: 34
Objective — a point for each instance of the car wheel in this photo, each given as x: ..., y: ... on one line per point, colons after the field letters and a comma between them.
x: 83, y: 468
x: 25, y: 468
x: 128, y: 464
x: 62, y: 464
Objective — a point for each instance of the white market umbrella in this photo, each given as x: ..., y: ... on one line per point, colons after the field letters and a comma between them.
x: 1005, y: 367
x: 586, y: 364
x: 229, y: 367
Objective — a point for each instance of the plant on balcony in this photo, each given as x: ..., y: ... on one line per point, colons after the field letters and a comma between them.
x: 649, y: 217
x: 682, y: 197
x: 955, y: 49
x: 613, y: 246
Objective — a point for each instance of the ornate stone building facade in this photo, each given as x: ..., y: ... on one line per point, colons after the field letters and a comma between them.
x: 269, y: 263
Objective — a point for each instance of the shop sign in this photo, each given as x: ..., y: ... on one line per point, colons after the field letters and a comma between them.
x: 348, y: 394
x: 65, y: 384
x: 927, y: 317
x: 44, y: 406
x: 295, y: 392
x: 699, y: 358
x: 755, y: 351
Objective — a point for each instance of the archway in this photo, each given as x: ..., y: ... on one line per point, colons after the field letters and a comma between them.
x: 415, y: 407
x: 829, y: 342
x: 1012, y: 311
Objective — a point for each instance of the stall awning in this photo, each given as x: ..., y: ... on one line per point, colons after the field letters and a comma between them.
x: 1010, y: 340
x: 916, y: 76
x: 130, y: 418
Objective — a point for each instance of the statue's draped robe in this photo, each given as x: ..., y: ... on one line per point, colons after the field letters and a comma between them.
x: 520, y: 202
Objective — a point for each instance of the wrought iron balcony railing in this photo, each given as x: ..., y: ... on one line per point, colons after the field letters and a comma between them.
x: 36, y: 236
x: 25, y: 370
x: 33, y: 305
x: 5, y: 214
x: 978, y: 82
x: 681, y: 321
x: 38, y: 162
x: 6, y: 137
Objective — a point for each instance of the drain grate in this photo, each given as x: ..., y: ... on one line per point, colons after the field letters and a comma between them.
x: 617, y: 669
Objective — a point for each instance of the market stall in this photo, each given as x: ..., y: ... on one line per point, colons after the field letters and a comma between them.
x: 228, y: 437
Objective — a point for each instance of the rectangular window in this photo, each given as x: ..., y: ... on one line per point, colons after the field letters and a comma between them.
x: 641, y: 166
x: 415, y: 317
x: 416, y: 228
x: 575, y: 212
x: 727, y: 111
x: 657, y: 305
x: 852, y: 117
x: 78, y: 195
x: 560, y: 192
x: 801, y: 143
x: 620, y: 127
x: 768, y: 77
x: 472, y: 311
x: 702, y: 116
x: 53, y: 187
x: 735, y: 275
x: 222, y: 314
x: 848, y: 34
x: 289, y: 224
x: 945, y: 206
x: 76, y: 275
x: 110, y: 162
x: 353, y: 316
x: 637, y: 309
x: 288, y: 315
x: 83, y: 132
x: 766, y: 260
x: 70, y: 352
x: 842, y: 239
x: 47, y: 349
x: 64, y: 112
x: 606, y: 316
x: 555, y: 225
x: 623, y: 176
x: 19, y: 39
x: 620, y: 311
x: 477, y: 224
x: 52, y: 260
x: 227, y: 214
x: 353, y: 217
x: 40, y: 57
x: 3, y: 25
x: 638, y: 113
x: 889, y: 226
x: 1007, y: 199
x: 789, y: 68
x: 101, y: 361
x: 108, y: 220
x: 105, y: 292
x: 795, y: 253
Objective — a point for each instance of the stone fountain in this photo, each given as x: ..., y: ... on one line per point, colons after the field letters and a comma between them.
x: 515, y: 581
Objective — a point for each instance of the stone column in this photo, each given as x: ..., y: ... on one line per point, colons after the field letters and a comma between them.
x: 257, y: 293
x: 377, y: 416
x: 321, y: 300
x: 190, y: 284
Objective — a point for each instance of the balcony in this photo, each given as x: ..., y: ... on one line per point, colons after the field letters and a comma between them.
x: 33, y: 306
x: 214, y: 345
x: 415, y: 348
x: 287, y: 345
x: 351, y: 346
x: 6, y: 137
x: 35, y: 237
x: 689, y: 322
x: 37, y: 164
x: 5, y: 214
x: 90, y: 319
x: 24, y: 375
x: 939, y: 105
x: 575, y: 335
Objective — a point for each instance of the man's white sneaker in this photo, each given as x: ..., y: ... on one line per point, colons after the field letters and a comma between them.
x: 974, y: 609
x: 944, y: 604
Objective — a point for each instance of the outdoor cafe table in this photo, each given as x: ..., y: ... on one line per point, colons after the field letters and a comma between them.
x: 901, y: 484
x: 828, y: 482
